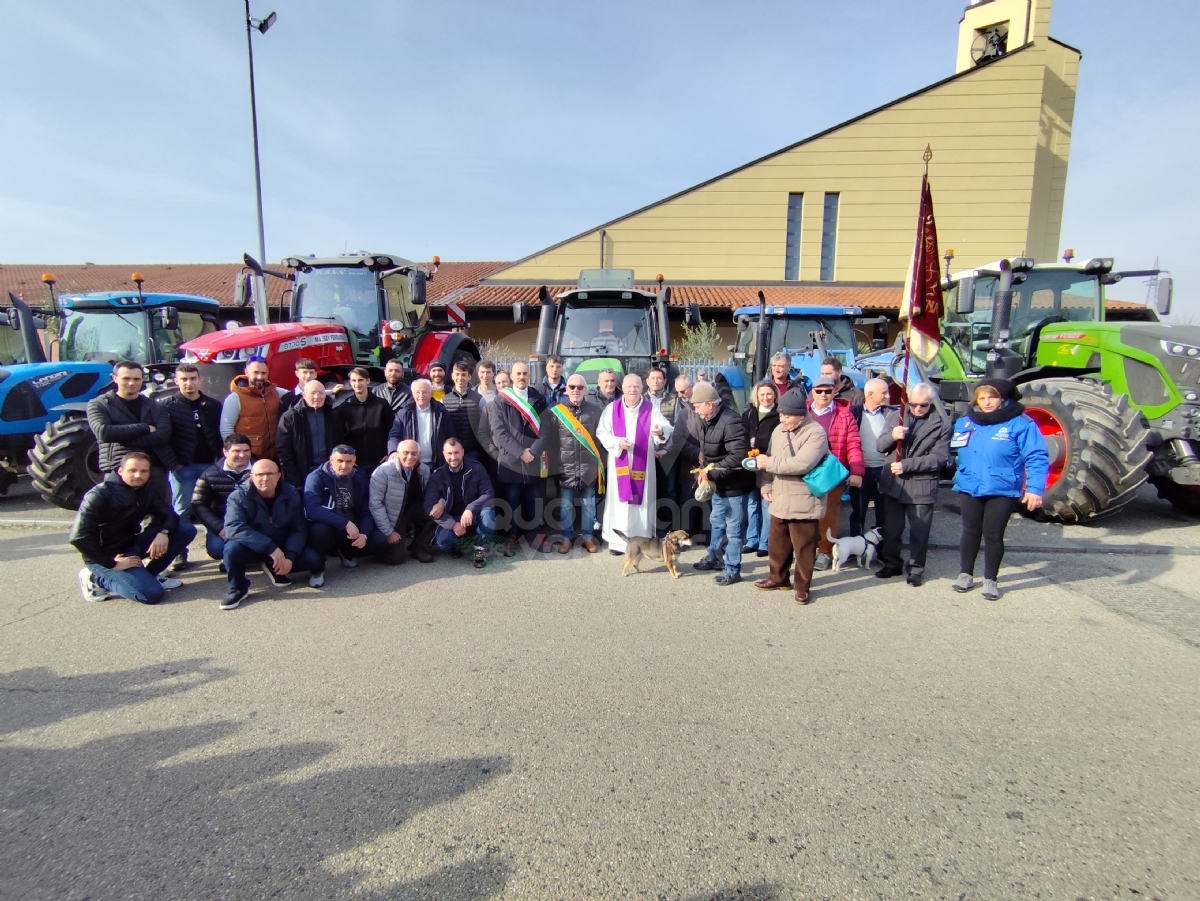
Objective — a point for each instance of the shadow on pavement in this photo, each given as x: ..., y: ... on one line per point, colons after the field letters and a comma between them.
x: 38, y: 696
x: 116, y: 817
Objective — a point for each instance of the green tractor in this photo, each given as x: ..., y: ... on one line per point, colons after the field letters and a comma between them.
x: 1118, y: 402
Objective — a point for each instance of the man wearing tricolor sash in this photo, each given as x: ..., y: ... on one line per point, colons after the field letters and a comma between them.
x: 515, y: 420
x: 631, y: 429
x: 577, y: 462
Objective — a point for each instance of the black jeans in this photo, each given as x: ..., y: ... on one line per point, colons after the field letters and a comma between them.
x: 920, y: 520
x: 986, y: 518
x: 861, y: 498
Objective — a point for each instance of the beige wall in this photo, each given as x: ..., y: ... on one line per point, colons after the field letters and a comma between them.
x: 1000, y: 135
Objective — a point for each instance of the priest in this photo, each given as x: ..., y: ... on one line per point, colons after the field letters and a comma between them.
x: 631, y: 430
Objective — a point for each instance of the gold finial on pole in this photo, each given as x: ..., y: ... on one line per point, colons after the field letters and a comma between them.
x: 927, y: 156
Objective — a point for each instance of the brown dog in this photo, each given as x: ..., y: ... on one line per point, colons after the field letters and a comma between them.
x: 664, y: 550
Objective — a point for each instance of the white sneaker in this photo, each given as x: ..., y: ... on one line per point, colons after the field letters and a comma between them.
x: 168, y: 583
x: 316, y: 581
x: 89, y: 589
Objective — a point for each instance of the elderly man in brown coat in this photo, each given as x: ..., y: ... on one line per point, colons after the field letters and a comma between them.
x: 797, y: 445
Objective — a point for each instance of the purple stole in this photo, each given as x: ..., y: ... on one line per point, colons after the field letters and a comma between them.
x: 631, y: 478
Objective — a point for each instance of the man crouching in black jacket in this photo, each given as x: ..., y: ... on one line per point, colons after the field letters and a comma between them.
x: 459, y: 499
x: 213, y: 488
x: 108, y: 533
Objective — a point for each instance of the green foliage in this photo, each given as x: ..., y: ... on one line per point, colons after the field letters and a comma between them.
x: 701, y: 344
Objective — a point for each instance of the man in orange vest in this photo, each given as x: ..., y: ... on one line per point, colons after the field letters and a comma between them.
x: 252, y: 409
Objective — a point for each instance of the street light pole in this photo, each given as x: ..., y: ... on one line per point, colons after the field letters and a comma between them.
x: 262, y: 28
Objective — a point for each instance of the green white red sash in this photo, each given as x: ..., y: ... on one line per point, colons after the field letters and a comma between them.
x: 581, y: 434
x: 529, y: 414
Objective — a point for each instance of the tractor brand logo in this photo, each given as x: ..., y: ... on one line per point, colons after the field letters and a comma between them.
x: 46, y: 381
x: 310, y: 341
x: 1067, y: 336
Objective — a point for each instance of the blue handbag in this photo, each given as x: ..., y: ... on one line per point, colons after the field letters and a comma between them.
x: 825, y: 476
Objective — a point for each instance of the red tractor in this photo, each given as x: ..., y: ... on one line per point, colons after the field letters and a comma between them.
x: 357, y: 309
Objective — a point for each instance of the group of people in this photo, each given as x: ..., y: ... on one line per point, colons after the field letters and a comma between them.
x: 479, y: 464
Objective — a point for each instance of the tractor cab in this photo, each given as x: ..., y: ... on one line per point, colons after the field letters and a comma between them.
x: 1042, y: 295
x: 379, y: 299
x: 603, y: 323
x: 148, y: 328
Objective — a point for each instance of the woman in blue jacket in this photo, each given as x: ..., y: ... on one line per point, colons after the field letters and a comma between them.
x: 1002, y: 461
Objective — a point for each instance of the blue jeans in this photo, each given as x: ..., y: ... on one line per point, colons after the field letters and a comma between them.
x: 587, y: 511
x: 141, y: 582
x: 758, y: 520
x: 215, y: 545
x: 183, y: 483
x: 238, y: 557
x: 525, y: 501
x: 728, y: 521
x: 483, y: 526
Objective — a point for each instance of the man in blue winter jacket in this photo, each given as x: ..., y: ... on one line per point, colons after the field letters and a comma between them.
x: 337, y: 499
x: 459, y: 499
x: 265, y: 524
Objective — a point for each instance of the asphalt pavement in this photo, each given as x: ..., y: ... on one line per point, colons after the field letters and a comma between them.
x: 545, y: 728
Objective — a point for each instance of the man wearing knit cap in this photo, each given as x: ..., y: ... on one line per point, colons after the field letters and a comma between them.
x: 723, y: 445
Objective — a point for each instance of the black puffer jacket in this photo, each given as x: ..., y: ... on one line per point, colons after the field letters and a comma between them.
x: 110, y: 519
x: 211, y: 495
x: 723, y: 442
x: 118, y: 431
x: 295, y: 445
x: 191, y: 444
x: 465, y: 411
x: 365, y: 427
x: 758, y: 430
x: 573, y: 464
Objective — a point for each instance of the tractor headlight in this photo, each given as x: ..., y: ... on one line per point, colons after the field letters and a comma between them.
x: 1175, y: 349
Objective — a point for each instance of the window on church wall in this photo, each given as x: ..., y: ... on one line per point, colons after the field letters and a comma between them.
x: 791, y: 259
x: 829, y: 219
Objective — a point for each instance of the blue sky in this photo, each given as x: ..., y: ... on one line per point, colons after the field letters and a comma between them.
x: 489, y: 130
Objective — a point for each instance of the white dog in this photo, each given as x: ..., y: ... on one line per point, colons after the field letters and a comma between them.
x: 862, y: 546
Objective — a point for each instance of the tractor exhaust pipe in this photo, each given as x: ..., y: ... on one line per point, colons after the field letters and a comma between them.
x: 1002, y: 363
x: 664, y: 325
x: 761, y: 350
x: 545, y: 332
x: 21, y: 317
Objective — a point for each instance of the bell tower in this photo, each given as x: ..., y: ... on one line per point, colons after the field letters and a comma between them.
x: 991, y: 28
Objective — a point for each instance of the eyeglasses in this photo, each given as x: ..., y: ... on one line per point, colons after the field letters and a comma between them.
x: 822, y: 391
x: 345, y: 450
x: 576, y: 387
x: 920, y: 406
x: 257, y: 358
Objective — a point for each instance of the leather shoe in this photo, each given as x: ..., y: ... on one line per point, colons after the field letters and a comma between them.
x: 564, y: 547
x: 889, y: 572
x: 913, y: 580
x: 771, y: 585
x: 589, y: 546
x: 803, y: 598
x: 423, y: 555
x: 762, y: 552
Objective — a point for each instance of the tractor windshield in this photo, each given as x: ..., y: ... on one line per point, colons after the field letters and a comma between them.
x: 801, y: 336
x: 103, y: 336
x: 345, y: 295
x: 589, y: 331
x: 1040, y: 297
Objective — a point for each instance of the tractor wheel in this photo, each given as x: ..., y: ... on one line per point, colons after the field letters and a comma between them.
x: 1097, y: 445
x: 65, y: 461
x: 1184, y: 498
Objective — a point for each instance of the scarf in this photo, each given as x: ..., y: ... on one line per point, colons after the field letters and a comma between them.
x: 1011, y: 410
x: 631, y: 474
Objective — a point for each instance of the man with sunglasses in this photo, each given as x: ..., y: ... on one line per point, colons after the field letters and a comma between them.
x: 916, y: 440
x: 834, y: 416
x: 576, y: 461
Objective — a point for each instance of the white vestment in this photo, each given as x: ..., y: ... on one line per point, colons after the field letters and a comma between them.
x: 632, y: 519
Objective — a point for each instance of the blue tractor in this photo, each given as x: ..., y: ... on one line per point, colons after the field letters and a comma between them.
x: 807, y: 334
x: 64, y: 360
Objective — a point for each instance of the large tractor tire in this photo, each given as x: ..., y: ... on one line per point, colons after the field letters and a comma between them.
x: 65, y: 461
x: 1097, y: 445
